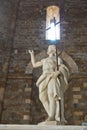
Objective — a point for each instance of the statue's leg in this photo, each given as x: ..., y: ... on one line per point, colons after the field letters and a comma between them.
x: 57, y: 116
x: 62, y: 109
x: 52, y: 102
x: 46, y: 106
x: 44, y: 99
x: 62, y: 106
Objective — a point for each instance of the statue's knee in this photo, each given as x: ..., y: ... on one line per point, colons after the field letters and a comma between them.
x: 42, y: 99
x: 50, y: 94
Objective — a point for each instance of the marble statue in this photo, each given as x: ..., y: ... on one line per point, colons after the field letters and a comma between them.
x: 52, y: 83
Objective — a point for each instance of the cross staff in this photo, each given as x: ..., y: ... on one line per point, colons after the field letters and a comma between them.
x: 54, y: 22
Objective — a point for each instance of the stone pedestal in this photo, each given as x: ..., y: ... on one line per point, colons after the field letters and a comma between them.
x: 51, y: 123
x: 37, y: 127
x: 48, y: 123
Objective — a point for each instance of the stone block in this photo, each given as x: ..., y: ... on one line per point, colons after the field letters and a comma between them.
x: 15, y: 51
x: 76, y: 88
x: 26, y: 117
x: 27, y: 89
x: 28, y: 101
x: 85, y: 84
x: 1, y: 93
x: 75, y: 100
x: 77, y: 96
x: 78, y: 113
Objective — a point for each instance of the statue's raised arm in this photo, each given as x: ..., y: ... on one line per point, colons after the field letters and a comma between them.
x: 34, y: 63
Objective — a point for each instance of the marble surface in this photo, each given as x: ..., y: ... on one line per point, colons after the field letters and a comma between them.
x: 43, y: 127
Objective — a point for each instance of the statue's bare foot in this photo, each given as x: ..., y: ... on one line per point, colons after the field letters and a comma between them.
x: 50, y: 119
x: 58, y: 119
x: 63, y: 120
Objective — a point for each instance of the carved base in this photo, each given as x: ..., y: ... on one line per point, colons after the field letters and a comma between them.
x: 51, y: 123
x: 36, y: 127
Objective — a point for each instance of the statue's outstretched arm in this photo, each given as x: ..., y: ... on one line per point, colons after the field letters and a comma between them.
x: 35, y: 64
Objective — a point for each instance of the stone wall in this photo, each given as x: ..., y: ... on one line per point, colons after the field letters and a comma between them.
x: 23, y: 28
x: 75, y: 99
x: 7, y: 23
x: 75, y: 45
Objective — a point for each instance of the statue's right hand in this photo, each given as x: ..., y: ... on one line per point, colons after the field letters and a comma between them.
x: 31, y: 52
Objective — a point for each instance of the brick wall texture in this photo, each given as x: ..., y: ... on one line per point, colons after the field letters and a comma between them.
x: 22, y: 27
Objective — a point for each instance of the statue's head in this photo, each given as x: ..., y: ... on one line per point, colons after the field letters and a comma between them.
x: 51, y: 49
